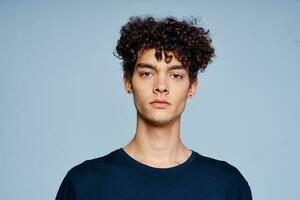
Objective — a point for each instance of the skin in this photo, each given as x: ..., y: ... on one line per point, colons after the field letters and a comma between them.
x: 157, y: 141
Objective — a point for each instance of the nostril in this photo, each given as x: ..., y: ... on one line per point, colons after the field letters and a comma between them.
x: 161, y: 89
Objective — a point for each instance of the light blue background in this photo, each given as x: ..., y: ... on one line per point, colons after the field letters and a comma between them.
x: 62, y: 99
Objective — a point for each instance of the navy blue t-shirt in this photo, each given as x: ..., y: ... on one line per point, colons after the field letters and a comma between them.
x: 118, y: 176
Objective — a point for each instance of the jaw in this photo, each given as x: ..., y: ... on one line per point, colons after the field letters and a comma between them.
x: 158, y: 117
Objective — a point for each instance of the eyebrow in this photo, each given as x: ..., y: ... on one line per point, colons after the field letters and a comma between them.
x: 172, y: 67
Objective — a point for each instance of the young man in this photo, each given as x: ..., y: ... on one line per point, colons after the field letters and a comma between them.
x: 161, y: 59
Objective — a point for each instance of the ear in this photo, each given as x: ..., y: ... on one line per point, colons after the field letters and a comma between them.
x: 193, y: 87
x: 127, y: 82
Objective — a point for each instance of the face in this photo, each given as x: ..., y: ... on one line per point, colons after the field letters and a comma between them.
x: 154, y: 79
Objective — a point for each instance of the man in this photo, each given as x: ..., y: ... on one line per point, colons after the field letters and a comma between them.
x: 161, y: 59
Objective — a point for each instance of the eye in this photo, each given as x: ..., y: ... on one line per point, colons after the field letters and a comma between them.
x: 177, y: 76
x: 146, y: 74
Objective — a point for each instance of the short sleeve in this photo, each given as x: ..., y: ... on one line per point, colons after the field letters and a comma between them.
x: 66, y: 190
x: 244, y: 191
x: 239, y: 187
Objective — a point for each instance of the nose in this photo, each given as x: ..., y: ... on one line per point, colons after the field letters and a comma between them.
x: 161, y: 87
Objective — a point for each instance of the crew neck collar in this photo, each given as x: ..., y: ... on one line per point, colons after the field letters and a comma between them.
x: 134, y: 163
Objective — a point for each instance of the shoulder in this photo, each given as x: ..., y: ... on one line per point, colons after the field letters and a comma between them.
x: 91, y: 169
x: 222, y: 171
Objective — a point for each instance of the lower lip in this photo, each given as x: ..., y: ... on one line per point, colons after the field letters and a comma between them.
x: 160, y: 105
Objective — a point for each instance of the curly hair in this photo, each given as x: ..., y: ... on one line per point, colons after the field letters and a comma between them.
x: 190, y: 44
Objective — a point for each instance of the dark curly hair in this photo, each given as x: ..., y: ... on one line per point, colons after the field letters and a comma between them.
x: 190, y: 44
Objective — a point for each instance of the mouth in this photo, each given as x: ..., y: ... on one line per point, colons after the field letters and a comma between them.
x: 160, y: 104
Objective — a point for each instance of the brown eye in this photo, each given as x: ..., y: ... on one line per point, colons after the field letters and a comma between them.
x: 177, y: 76
x: 146, y: 74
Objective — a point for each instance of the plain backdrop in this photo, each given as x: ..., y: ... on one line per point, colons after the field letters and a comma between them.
x: 62, y: 99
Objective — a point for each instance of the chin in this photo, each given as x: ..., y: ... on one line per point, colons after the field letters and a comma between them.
x: 159, y: 120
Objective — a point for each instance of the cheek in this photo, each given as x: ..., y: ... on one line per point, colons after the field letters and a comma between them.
x: 180, y: 95
x: 141, y: 88
x: 180, y: 92
x: 142, y: 93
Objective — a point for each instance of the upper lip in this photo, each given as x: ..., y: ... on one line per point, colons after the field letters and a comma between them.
x: 160, y: 101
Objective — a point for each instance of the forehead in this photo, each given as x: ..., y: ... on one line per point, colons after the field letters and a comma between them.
x: 148, y: 56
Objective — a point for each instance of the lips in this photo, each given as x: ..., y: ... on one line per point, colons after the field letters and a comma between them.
x: 160, y: 103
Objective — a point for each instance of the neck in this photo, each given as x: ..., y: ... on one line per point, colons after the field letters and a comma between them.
x: 158, y: 145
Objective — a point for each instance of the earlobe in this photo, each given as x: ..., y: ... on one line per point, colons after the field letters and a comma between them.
x: 127, y: 83
x: 193, y: 87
